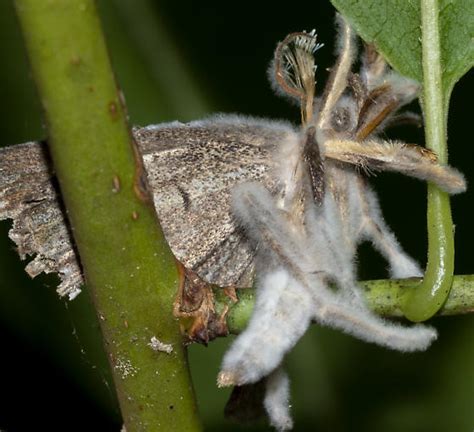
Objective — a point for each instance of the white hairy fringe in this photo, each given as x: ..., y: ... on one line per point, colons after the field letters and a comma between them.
x: 277, y: 400
x: 293, y: 288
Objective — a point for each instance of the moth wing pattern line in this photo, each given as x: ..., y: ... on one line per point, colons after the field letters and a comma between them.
x: 28, y: 196
x: 191, y: 170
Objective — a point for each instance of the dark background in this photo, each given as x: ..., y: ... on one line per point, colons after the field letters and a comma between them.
x: 181, y: 61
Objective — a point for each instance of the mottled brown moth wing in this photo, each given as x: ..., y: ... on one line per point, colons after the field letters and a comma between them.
x: 191, y: 171
x: 28, y: 196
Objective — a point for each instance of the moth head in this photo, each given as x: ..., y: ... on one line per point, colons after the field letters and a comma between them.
x: 292, y: 70
x: 344, y: 115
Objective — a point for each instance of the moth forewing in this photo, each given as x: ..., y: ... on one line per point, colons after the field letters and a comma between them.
x: 192, y: 170
x: 29, y: 197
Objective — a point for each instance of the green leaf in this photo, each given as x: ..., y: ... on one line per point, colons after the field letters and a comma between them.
x: 394, y: 26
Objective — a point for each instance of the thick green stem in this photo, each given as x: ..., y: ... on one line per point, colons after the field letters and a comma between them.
x: 384, y: 297
x: 430, y: 295
x: 126, y: 262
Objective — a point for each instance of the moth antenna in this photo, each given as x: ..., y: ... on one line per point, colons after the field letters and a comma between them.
x: 293, y: 70
x: 338, y: 77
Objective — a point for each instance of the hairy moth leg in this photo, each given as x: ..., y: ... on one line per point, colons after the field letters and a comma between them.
x: 376, y: 230
x: 381, y: 103
x: 282, y: 313
x: 337, y: 81
x: 280, y: 240
x: 344, y: 310
x: 277, y: 400
x: 283, y: 307
x: 412, y: 160
x: 360, y: 322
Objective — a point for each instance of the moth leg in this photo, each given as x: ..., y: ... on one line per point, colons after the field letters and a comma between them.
x: 283, y: 307
x: 346, y: 308
x: 337, y: 81
x: 373, y: 68
x: 358, y: 321
x: 380, y: 104
x: 374, y: 228
x: 412, y: 160
x: 279, y: 239
x: 405, y: 119
x: 282, y: 313
x: 295, y: 286
x: 276, y: 400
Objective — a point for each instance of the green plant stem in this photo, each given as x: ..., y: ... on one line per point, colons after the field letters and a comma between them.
x: 126, y: 262
x: 384, y: 297
x: 430, y: 295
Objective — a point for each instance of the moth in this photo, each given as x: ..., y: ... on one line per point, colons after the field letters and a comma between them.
x: 245, y: 201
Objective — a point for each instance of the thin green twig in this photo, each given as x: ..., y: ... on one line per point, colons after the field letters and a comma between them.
x: 384, y: 297
x: 430, y: 295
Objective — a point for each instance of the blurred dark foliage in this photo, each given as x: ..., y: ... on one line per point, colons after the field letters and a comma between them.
x: 53, y: 373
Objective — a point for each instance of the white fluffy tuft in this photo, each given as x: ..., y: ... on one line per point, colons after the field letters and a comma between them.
x: 360, y: 322
x: 293, y: 288
x: 277, y: 400
x: 271, y: 332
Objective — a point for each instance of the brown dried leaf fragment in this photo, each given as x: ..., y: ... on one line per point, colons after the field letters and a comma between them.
x: 28, y: 196
x: 194, y: 306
